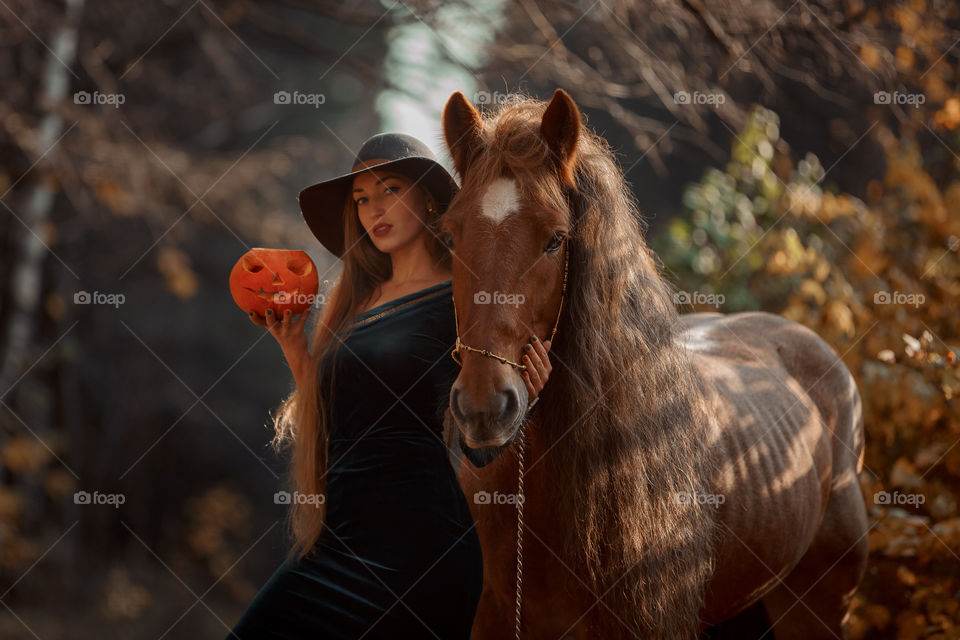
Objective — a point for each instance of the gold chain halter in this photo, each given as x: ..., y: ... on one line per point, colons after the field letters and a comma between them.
x: 521, y: 497
x: 455, y: 354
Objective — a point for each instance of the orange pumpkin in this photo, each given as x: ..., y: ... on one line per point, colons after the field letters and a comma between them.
x: 277, y: 279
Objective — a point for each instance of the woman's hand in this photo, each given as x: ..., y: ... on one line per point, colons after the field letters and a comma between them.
x: 291, y: 336
x: 538, y: 366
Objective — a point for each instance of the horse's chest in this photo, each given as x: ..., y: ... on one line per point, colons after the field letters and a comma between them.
x: 555, y: 602
x: 555, y: 599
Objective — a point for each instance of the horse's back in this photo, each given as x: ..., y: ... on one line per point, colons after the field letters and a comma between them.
x: 757, y: 338
x: 786, y: 428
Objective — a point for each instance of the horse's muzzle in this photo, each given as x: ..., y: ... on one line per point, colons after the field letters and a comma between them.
x: 482, y: 456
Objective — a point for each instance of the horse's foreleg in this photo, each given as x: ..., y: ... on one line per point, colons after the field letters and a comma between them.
x: 812, y: 601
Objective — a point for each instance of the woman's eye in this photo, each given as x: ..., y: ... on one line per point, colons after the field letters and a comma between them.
x: 554, y: 245
x: 360, y: 201
x: 392, y: 189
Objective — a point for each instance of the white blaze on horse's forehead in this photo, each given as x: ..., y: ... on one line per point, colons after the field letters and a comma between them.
x: 501, y: 199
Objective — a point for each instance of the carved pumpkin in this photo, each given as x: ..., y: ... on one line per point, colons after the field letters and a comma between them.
x: 277, y: 279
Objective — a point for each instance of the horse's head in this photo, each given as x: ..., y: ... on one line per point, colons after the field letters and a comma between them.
x: 509, y: 229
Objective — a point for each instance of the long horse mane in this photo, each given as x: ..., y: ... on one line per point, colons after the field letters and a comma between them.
x: 623, y: 415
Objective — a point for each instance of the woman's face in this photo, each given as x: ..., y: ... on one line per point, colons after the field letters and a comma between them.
x: 389, y: 198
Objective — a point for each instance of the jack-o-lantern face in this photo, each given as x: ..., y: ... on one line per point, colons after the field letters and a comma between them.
x: 277, y: 279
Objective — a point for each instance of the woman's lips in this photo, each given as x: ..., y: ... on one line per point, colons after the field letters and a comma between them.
x: 382, y: 230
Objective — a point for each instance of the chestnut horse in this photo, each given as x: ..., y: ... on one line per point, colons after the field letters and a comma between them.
x: 681, y: 470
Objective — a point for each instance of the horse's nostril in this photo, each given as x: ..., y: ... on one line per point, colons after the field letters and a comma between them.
x: 455, y: 404
x: 509, y: 403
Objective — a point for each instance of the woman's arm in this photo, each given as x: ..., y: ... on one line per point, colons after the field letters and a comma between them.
x: 292, y: 337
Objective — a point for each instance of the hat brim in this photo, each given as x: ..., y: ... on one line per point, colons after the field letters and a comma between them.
x: 322, y: 204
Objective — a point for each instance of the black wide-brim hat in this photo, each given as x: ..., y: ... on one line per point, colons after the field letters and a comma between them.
x: 322, y: 204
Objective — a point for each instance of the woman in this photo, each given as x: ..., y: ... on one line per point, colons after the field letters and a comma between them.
x: 384, y: 543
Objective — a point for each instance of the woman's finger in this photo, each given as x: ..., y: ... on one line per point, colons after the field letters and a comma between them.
x: 257, y: 319
x: 531, y: 361
x: 544, y: 365
x: 302, y: 320
x: 531, y: 390
x: 540, y: 362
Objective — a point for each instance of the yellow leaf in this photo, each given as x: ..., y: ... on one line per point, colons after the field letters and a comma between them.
x: 811, y: 289
x: 870, y: 56
x: 949, y: 116
x: 904, y: 57
x: 175, y: 267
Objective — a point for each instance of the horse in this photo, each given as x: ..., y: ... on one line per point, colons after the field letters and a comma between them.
x: 681, y: 470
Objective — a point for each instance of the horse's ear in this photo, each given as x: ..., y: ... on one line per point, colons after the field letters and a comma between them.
x: 462, y: 125
x: 560, y: 129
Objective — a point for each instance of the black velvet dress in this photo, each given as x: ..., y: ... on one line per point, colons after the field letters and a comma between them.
x: 399, y: 556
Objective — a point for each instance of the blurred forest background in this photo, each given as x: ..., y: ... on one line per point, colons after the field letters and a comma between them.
x: 798, y: 157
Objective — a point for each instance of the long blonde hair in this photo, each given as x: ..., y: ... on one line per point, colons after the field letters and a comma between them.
x: 302, y: 420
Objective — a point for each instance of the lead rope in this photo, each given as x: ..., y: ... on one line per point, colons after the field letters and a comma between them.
x: 522, y: 440
x: 521, y: 498
x: 520, y: 501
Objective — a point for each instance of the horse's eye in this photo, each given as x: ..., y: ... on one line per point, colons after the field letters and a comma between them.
x: 554, y: 245
x: 447, y: 239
